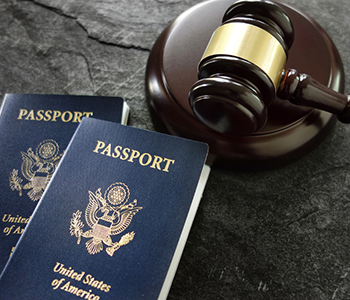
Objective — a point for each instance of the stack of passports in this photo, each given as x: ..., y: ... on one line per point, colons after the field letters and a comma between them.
x: 34, y: 132
x: 113, y: 220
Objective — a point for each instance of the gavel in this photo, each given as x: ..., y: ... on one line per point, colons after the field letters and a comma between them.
x: 242, y: 71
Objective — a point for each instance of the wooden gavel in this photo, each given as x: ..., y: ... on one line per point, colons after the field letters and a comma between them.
x: 242, y: 70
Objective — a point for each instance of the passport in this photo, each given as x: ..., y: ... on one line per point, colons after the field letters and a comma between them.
x: 34, y: 133
x: 114, y: 219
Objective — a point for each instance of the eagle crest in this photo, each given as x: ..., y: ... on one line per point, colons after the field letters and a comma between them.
x: 37, y: 168
x: 107, y: 216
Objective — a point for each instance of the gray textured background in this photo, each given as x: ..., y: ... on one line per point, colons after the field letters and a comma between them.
x: 281, y: 234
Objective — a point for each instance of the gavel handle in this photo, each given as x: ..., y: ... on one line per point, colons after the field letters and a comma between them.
x: 301, y: 89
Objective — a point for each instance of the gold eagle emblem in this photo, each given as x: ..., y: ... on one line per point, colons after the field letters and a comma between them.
x: 37, y: 168
x: 107, y: 216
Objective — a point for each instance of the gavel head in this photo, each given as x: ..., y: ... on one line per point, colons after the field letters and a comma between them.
x: 241, y: 68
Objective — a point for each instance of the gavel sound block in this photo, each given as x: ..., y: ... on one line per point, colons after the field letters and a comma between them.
x: 290, y: 131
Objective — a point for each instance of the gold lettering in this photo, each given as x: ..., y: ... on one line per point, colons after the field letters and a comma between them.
x: 18, y: 219
x: 107, y: 150
x: 148, y: 160
x: 87, y: 114
x: 99, y: 146
x: 73, y: 289
x: 117, y: 152
x: 56, y: 114
x: 57, y: 267
x: 168, y: 161
x: 134, y: 154
x: 39, y: 115
x: 77, y: 117
x: 18, y: 230
x: 52, y: 115
x: 69, y: 118
x: 63, y: 271
x: 88, y: 280
x: 156, y: 162
x: 30, y: 116
x: 125, y: 152
x: 80, y: 276
x: 84, y: 293
x: 48, y: 115
x: 22, y: 113
x: 5, y: 218
x: 8, y: 230
x: 66, y: 286
x: 78, y: 292
x: 56, y: 283
x: 106, y: 288
x: 74, y: 275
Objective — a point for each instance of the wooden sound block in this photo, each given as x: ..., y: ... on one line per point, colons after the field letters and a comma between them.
x: 291, y: 131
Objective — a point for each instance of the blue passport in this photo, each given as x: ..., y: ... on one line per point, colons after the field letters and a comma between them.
x: 113, y: 220
x: 34, y: 133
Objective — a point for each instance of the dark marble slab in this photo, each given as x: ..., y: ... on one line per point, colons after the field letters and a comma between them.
x: 281, y: 234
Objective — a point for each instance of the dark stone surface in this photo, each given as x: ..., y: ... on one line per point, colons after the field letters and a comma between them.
x: 281, y: 234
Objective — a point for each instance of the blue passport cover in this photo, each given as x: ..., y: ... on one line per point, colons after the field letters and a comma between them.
x: 34, y: 132
x: 110, y: 220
